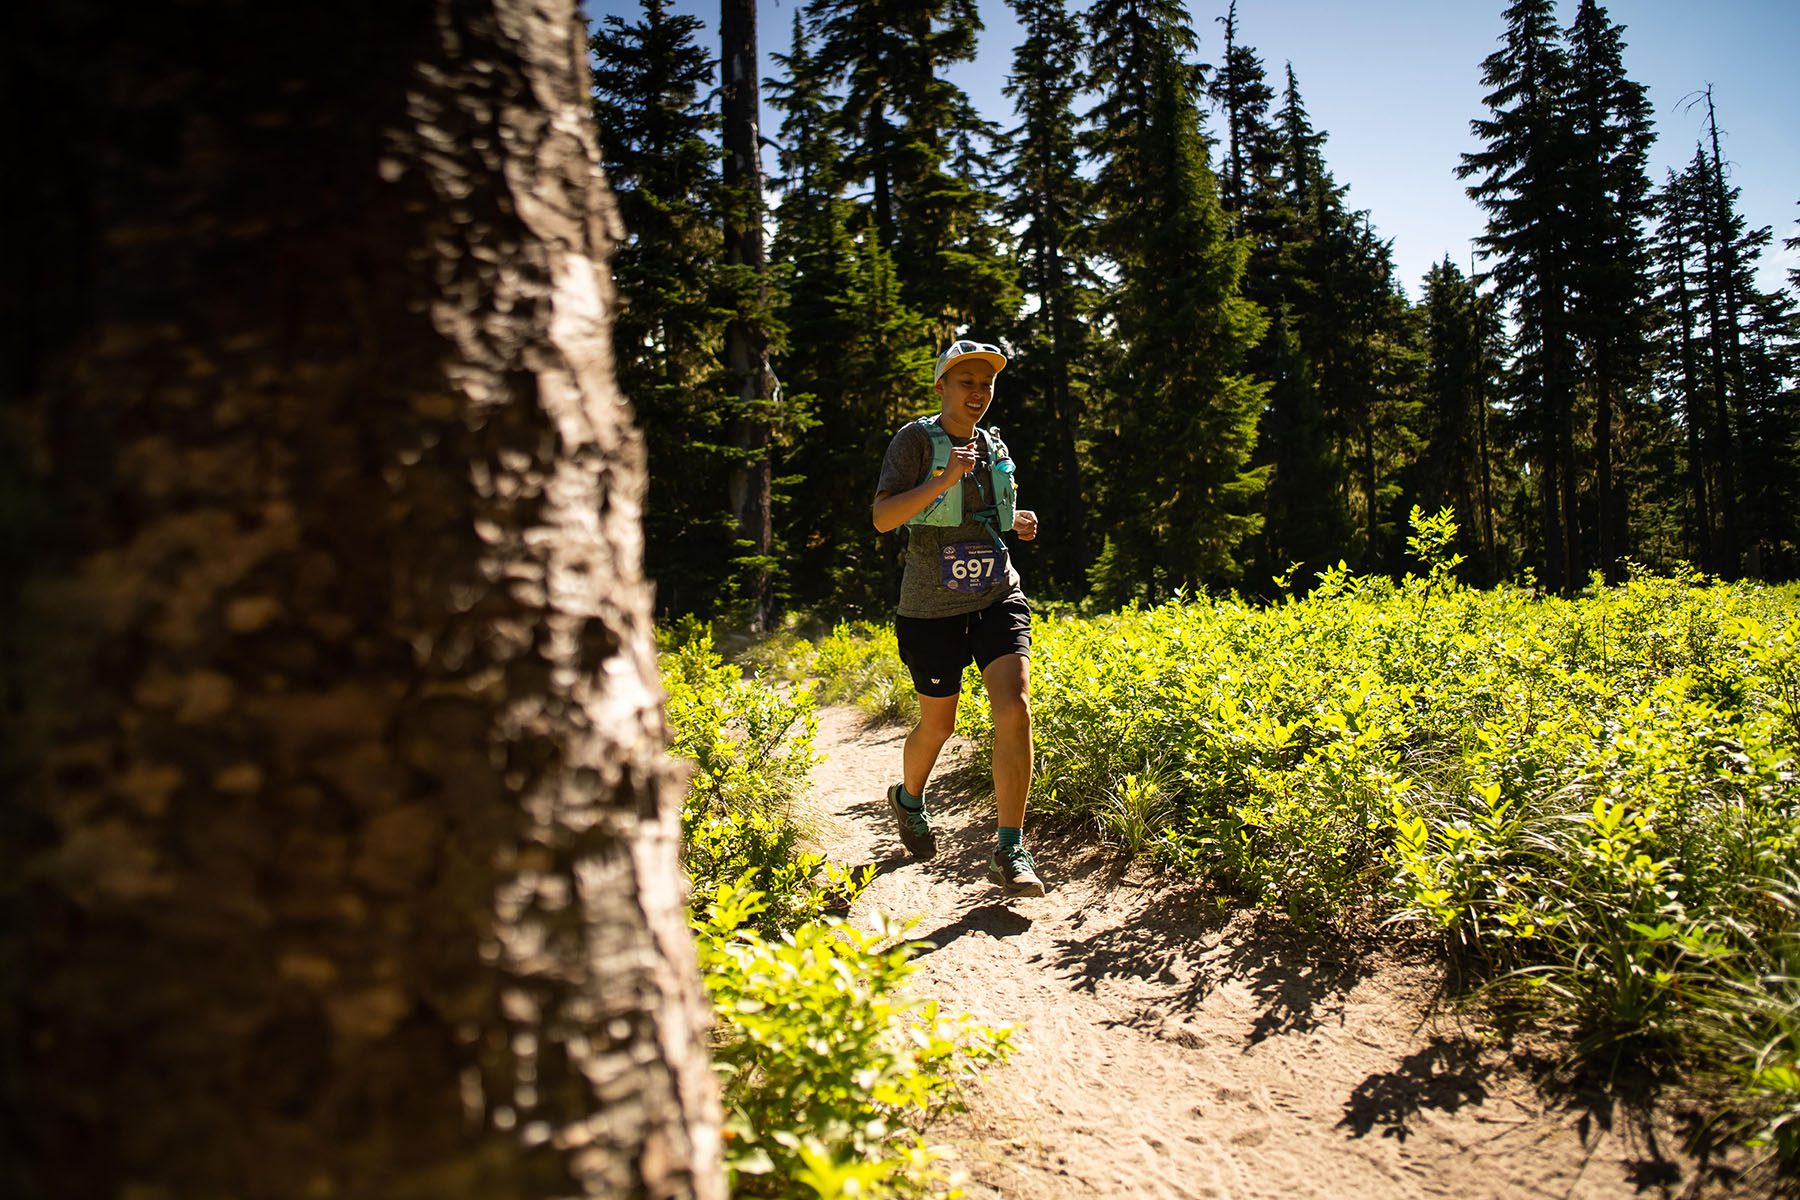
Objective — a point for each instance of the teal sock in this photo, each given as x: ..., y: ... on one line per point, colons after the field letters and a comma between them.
x: 908, y: 800
x: 1011, y: 836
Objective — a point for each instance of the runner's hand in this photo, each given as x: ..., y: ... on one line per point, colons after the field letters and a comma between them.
x: 962, y: 461
x: 1025, y: 524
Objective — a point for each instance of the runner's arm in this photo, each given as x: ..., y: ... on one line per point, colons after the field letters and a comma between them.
x: 894, y: 509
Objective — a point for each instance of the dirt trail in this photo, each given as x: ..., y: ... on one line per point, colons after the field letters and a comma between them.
x: 1167, y: 1049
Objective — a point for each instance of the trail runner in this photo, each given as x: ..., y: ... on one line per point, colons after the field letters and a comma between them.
x: 951, y: 484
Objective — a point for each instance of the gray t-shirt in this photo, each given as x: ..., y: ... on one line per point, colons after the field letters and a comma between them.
x: 922, y: 593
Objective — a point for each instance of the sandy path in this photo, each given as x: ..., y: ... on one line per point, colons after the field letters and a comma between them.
x: 1167, y: 1049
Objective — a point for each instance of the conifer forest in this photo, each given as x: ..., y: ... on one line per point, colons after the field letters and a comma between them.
x: 1217, y: 382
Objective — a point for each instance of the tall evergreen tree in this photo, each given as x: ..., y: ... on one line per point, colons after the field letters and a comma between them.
x: 1746, y: 394
x: 1793, y: 244
x: 887, y: 353
x: 1496, y: 466
x: 1130, y: 44
x: 1523, y: 184
x: 651, y: 81
x: 1779, y: 348
x: 1305, y: 524
x: 753, y: 331
x: 1609, y: 198
x: 1770, y: 383
x: 898, y: 117
x: 1680, y: 279
x: 976, y: 269
x: 1728, y: 249
x: 1180, y: 413
x: 1050, y: 377
x: 1733, y: 373
x: 1369, y: 376
x: 1290, y: 199
x: 1292, y: 441
x: 1300, y: 154
x: 1242, y: 93
x: 1334, y: 280
x: 812, y: 235
x: 1456, y: 467
x: 816, y: 252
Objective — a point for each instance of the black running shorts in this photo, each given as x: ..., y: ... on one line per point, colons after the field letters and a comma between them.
x: 936, y: 649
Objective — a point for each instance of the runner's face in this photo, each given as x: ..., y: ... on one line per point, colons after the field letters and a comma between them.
x: 967, y: 389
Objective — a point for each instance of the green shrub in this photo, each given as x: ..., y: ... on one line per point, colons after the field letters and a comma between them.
x: 750, y: 743
x: 1577, y: 795
x: 1748, y: 1022
x: 855, y: 663
x: 829, y: 1073
x: 750, y: 749
x: 859, y: 663
x: 1571, y: 791
x: 1623, y: 946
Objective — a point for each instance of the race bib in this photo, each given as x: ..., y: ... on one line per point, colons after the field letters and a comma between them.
x: 970, y: 566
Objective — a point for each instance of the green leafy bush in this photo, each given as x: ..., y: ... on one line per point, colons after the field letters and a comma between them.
x: 1584, y: 797
x: 859, y: 663
x: 828, y: 1070
x: 828, y: 1074
x: 855, y: 662
x: 749, y: 745
x: 1577, y: 794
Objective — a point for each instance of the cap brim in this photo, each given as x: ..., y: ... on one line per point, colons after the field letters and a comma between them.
x: 996, y: 361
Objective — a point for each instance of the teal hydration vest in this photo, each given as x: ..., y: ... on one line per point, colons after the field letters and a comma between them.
x: 1001, y: 492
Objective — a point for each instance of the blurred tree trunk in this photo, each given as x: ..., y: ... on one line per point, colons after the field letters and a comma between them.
x: 339, y: 847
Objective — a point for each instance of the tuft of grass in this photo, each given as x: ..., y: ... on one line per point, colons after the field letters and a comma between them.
x: 1748, y: 1021
x: 1139, y: 810
x: 854, y: 662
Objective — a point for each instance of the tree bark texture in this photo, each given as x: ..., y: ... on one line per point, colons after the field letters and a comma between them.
x: 1721, y: 449
x: 339, y: 851
x: 747, y: 343
x: 1487, y: 477
x: 1694, y: 416
x: 1071, y: 514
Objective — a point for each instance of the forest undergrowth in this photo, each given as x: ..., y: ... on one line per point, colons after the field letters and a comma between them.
x: 1591, y: 802
x: 830, y: 1071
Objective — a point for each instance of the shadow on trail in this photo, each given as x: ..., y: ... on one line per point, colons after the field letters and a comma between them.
x: 1299, y: 980
x: 996, y: 920
x: 1185, y: 944
x: 1623, y: 1100
x: 1451, y: 1071
x: 1443, y: 1076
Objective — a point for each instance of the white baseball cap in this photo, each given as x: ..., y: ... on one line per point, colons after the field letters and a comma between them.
x: 977, y: 350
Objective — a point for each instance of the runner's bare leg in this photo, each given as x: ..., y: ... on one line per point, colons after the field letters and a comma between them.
x: 1008, y: 680
x: 937, y: 721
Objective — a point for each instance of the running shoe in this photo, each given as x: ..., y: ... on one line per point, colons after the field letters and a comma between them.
x: 915, y: 826
x: 1014, y: 871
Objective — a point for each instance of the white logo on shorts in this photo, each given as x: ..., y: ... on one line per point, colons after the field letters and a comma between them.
x: 936, y: 680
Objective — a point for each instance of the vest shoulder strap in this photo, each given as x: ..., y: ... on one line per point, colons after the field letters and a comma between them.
x: 940, y: 443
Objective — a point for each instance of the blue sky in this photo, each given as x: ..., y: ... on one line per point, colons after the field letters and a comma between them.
x: 1395, y: 83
